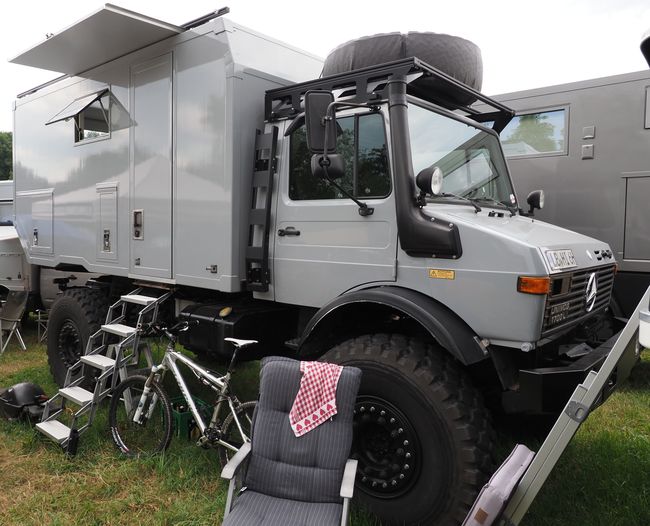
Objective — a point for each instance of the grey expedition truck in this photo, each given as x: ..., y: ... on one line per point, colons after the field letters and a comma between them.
x: 188, y: 159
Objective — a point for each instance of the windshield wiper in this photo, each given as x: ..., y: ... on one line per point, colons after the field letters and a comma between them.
x: 472, y: 202
x: 498, y: 203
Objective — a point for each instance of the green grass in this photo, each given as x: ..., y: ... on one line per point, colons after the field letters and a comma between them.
x: 603, y: 478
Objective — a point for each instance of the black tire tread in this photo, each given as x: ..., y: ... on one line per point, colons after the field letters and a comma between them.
x: 92, y: 303
x: 440, y: 377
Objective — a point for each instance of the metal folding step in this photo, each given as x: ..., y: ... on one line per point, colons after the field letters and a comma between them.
x: 105, y: 360
x: 98, y: 361
x: 138, y: 299
x: 55, y: 430
x: 76, y: 394
x: 119, y: 329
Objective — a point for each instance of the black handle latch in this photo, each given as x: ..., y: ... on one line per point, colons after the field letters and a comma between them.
x: 289, y: 231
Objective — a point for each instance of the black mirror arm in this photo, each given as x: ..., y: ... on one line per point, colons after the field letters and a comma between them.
x: 364, y: 209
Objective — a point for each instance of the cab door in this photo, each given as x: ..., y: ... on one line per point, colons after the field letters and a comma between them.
x: 323, y: 246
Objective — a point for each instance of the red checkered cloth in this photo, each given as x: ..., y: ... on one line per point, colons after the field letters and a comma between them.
x: 316, y: 398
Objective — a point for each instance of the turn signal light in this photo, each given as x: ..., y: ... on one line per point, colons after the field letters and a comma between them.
x: 534, y: 285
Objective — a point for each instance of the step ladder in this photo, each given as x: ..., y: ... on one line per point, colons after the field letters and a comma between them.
x: 497, y: 504
x: 108, y: 353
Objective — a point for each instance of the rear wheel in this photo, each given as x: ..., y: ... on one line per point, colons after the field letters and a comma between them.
x: 75, y: 316
x: 230, y: 430
x: 421, y: 433
x: 154, y: 432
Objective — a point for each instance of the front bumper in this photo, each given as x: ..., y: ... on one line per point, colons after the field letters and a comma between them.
x: 546, y: 390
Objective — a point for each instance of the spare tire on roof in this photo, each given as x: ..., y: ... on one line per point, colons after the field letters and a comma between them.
x: 454, y: 56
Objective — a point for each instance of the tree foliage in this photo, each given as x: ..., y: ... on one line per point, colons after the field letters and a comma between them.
x: 536, y: 132
x: 6, y: 159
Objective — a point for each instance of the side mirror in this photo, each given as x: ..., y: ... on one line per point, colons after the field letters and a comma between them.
x: 645, y: 47
x: 319, y: 129
x: 429, y: 180
x: 333, y: 163
x: 535, y: 200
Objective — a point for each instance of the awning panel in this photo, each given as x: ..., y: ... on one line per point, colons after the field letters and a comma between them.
x: 109, y: 33
x: 76, y: 107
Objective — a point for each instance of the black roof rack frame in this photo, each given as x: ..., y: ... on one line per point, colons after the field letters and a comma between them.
x: 370, y: 84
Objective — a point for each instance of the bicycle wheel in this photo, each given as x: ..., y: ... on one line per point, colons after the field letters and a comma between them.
x: 230, y: 430
x: 154, y: 433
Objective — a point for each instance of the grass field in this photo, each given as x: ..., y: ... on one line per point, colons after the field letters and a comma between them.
x: 603, y: 478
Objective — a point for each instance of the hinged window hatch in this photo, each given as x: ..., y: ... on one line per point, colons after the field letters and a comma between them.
x: 77, y: 106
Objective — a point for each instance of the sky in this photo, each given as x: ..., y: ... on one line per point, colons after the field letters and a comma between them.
x: 524, y: 44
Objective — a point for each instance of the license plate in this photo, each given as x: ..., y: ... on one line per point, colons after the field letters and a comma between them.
x: 559, y: 312
x: 561, y: 259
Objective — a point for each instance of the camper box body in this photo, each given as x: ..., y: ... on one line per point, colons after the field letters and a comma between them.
x: 597, y: 181
x: 160, y: 196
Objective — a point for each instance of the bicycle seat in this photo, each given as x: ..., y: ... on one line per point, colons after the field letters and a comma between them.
x: 240, y: 343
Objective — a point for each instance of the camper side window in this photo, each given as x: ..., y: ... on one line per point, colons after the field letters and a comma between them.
x: 362, y: 144
x: 535, y: 134
x: 94, y: 121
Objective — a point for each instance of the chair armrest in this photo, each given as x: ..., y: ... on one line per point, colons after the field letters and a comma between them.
x: 347, y: 484
x: 233, y: 465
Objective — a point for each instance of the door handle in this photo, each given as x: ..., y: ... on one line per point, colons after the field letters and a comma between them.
x: 289, y: 231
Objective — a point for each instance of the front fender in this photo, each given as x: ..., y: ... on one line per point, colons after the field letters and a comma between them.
x: 442, y: 324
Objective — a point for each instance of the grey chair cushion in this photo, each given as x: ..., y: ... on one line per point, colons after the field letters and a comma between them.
x: 256, y: 509
x: 307, y: 468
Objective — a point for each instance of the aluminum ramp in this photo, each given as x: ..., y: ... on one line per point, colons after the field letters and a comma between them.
x: 501, y: 503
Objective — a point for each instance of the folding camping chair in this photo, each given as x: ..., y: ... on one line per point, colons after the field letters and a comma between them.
x: 10, y: 316
x: 289, y: 480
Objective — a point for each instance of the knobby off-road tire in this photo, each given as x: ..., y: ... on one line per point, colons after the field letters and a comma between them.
x: 230, y: 432
x: 421, y: 432
x: 140, y: 440
x: 75, y: 315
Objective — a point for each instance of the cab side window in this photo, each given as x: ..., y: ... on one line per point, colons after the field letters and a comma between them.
x: 362, y: 144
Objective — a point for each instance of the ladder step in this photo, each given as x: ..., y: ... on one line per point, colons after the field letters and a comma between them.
x: 138, y: 299
x: 78, y: 395
x: 98, y: 361
x: 119, y: 329
x: 54, y: 430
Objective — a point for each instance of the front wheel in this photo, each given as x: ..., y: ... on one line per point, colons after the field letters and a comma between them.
x: 153, y: 432
x: 231, y: 433
x: 422, y: 436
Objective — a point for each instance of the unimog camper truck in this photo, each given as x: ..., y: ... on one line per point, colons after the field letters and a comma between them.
x: 184, y: 163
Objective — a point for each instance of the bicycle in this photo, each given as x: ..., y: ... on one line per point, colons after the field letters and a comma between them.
x: 140, y: 414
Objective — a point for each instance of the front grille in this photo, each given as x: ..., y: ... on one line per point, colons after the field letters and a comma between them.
x: 566, y: 306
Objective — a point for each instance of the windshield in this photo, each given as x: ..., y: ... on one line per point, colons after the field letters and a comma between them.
x: 470, y: 159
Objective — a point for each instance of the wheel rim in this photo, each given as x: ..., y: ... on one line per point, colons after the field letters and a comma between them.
x: 387, y: 448
x: 69, y: 346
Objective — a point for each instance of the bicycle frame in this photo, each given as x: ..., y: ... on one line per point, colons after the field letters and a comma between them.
x: 219, y: 384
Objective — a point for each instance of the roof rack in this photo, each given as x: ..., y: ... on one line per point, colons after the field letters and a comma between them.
x: 368, y: 84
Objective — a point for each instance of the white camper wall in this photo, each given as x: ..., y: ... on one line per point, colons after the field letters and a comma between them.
x: 69, y: 196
